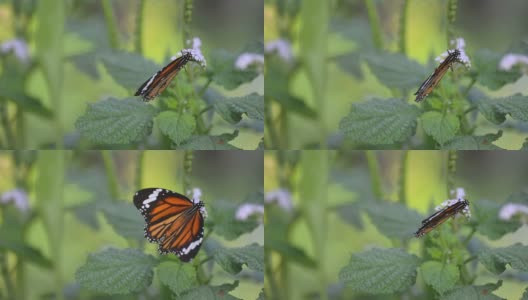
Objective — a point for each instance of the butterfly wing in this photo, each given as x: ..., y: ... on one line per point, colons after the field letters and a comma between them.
x: 172, y: 220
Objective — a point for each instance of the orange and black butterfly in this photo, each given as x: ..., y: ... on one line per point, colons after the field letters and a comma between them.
x: 173, y: 221
x: 430, y: 83
x: 156, y: 84
x: 439, y: 217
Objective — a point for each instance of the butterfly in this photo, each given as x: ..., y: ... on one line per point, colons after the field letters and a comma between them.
x: 454, y: 207
x: 173, y: 221
x: 156, y: 84
x: 430, y: 83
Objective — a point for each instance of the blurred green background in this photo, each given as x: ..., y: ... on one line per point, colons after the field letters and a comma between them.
x: 74, y: 217
x: 485, y: 175
x: 495, y: 25
x: 227, y: 24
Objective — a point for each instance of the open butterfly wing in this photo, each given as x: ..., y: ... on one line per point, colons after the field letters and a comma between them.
x: 172, y: 220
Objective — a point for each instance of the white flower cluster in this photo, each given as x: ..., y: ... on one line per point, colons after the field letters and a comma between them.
x: 19, y: 198
x: 195, y: 52
x: 282, y: 47
x: 196, y: 195
x: 282, y: 197
x: 19, y: 47
x: 511, y: 209
x: 245, y: 60
x: 459, y: 44
x: 246, y: 210
x: 459, y: 195
x: 510, y: 60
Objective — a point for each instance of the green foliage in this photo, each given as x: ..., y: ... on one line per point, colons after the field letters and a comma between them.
x: 481, y: 292
x: 115, y: 121
x: 380, y: 271
x: 178, y: 277
x: 124, y: 219
x: 489, y: 224
x: 232, y: 259
x: 380, y: 122
x: 442, y: 277
x: 226, y: 225
x: 232, y: 109
x: 393, y: 220
x: 114, y: 271
x: 178, y: 127
x: 210, y: 142
x: 223, y: 70
x: 488, y: 74
x: 396, y: 70
x: 220, y: 292
x: 495, y: 260
x: 130, y: 70
x: 479, y: 142
x: 441, y: 127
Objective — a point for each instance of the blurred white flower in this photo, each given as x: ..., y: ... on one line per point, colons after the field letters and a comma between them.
x: 509, y: 60
x: 458, y: 193
x: 195, y: 52
x: 196, y: 195
x: 19, y: 198
x: 282, y: 47
x: 459, y: 44
x: 282, y: 197
x: 249, y: 59
x: 511, y: 209
x: 18, y: 46
x: 246, y: 210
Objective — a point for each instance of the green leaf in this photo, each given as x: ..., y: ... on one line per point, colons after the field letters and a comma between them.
x: 86, y: 213
x: 495, y: 260
x: 525, y: 145
x: 380, y: 271
x: 442, y: 277
x: 442, y: 127
x: 351, y: 63
x: 24, y: 251
x: 124, y: 218
x: 486, y: 65
x: 394, y: 220
x: 224, y: 73
x: 380, y: 122
x: 231, y: 109
x: 289, y: 252
x: 179, y: 277
x: 179, y: 127
x: 210, y: 142
x: 396, y: 70
x: 212, y: 292
x: 115, y: 271
x: 261, y: 295
x: 482, y: 142
x: 129, y: 70
x: 223, y: 216
x: 489, y: 224
x: 477, y: 292
x: 232, y: 259
x: 115, y: 121
x: 495, y: 110
x: 351, y: 213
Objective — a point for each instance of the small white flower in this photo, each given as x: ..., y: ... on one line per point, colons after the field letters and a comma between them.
x: 19, y: 197
x: 195, y: 52
x: 248, y: 59
x: 282, y: 47
x: 459, y: 194
x: 282, y: 197
x: 510, y: 60
x: 18, y: 46
x: 196, y: 195
x: 459, y: 44
x: 246, y: 210
x: 511, y: 209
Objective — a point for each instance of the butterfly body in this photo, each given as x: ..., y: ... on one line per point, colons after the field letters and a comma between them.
x: 441, y: 216
x: 432, y: 81
x: 173, y: 221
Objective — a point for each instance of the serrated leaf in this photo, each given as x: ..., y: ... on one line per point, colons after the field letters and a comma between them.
x: 380, y: 122
x: 442, y: 127
x: 495, y: 110
x: 477, y: 292
x: 115, y: 121
x: 232, y: 259
x: 479, y: 142
x: 486, y: 65
x: 393, y: 220
x: 179, y: 277
x: 224, y: 73
x: 495, y: 260
x: 124, y: 218
x: 210, y: 142
x: 179, y: 127
x: 115, y: 271
x: 231, y: 109
x: 380, y: 271
x: 129, y: 70
x: 396, y: 70
x: 212, y: 292
x: 226, y: 225
x: 442, y: 277
x: 489, y: 224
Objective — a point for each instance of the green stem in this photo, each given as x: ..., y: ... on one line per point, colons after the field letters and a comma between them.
x: 451, y: 18
x: 403, y: 26
x: 451, y: 171
x: 10, y: 139
x: 139, y: 27
x: 187, y: 20
x: 10, y: 290
x: 468, y: 88
x: 402, y: 197
x: 111, y: 23
x: 139, y: 169
x: 375, y: 178
x: 111, y: 176
x: 188, y: 157
x: 374, y: 21
x: 283, y: 123
x: 202, y: 91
